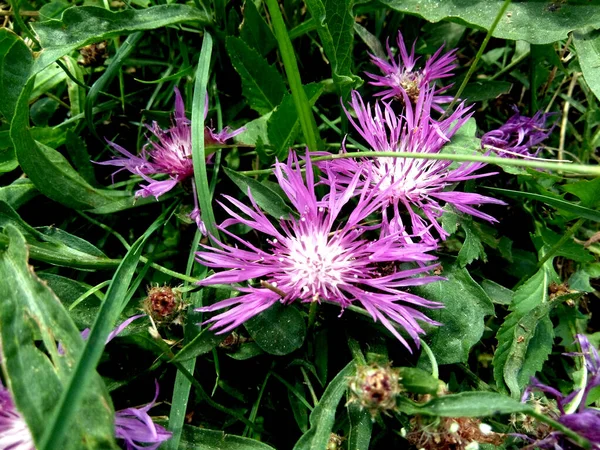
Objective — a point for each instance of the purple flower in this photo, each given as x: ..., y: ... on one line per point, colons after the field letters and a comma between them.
x: 405, y: 183
x: 137, y: 429
x: 314, y: 257
x: 519, y: 135
x: 584, y: 421
x: 14, y: 433
x: 169, y: 154
x: 400, y: 77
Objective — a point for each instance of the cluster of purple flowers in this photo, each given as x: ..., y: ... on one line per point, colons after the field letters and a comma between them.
x: 320, y: 256
x: 580, y: 418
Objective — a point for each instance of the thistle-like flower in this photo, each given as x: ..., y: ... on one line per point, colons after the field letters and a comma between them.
x: 14, y: 433
x: 314, y: 257
x: 579, y: 418
x: 405, y: 182
x: 137, y: 429
x: 519, y: 136
x: 169, y: 154
x: 401, y: 77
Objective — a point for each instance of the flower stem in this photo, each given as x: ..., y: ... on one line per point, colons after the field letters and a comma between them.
x: 479, y: 54
x: 307, y: 121
x: 435, y: 371
x: 581, y: 169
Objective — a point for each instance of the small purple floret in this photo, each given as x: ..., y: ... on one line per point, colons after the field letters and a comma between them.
x: 405, y: 183
x: 313, y: 257
x: 519, y: 136
x: 14, y: 433
x: 401, y: 77
x: 169, y: 154
x: 584, y: 421
x: 137, y: 429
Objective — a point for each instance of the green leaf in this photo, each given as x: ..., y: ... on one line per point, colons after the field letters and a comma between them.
x: 83, y: 25
x: 262, y: 84
x: 559, y: 204
x: 525, y: 337
x: 18, y: 192
x: 15, y: 64
x: 279, y: 330
x: 30, y: 311
x: 195, y: 438
x: 8, y: 159
x: 254, y: 131
x: 265, y: 197
x: 462, y: 318
x: 472, y: 248
x: 361, y: 427
x: 535, y: 22
x: 254, y: 30
x: 418, y: 381
x: 370, y: 40
x: 50, y: 77
x: 284, y: 124
x: 587, y: 45
x: 466, y: 404
x: 203, y: 343
x: 322, y: 417
x: 587, y: 191
x: 335, y: 25
x: 498, y: 293
x: 477, y: 91
x: 569, y: 249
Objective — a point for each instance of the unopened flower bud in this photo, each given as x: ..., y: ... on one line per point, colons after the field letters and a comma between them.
x: 163, y: 303
x: 375, y: 388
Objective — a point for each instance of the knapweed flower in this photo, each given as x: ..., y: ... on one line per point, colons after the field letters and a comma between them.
x: 137, y: 429
x: 14, y: 433
x: 583, y: 420
x: 170, y: 153
x: 519, y: 136
x: 404, y: 182
x: 401, y: 77
x: 317, y: 256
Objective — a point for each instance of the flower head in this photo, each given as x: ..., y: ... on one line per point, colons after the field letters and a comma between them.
x: 170, y: 153
x: 14, y: 433
x: 375, y: 388
x: 137, y: 429
x: 401, y: 77
x: 403, y: 182
x: 519, y: 136
x: 313, y: 257
x: 573, y: 412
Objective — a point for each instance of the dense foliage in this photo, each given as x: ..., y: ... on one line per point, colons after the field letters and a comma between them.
x: 299, y: 224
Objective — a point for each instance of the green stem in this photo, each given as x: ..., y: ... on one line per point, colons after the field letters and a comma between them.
x: 510, y: 66
x: 572, y: 435
x: 566, y: 236
x: 435, y: 372
x: 307, y: 121
x: 312, y: 314
x: 546, y: 165
x: 479, y: 54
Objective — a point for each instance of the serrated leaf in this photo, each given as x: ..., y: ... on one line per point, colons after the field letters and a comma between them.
x: 254, y: 30
x: 335, y: 25
x: 466, y: 404
x: 534, y: 22
x: 462, y: 318
x: 472, y: 248
x: 83, y: 25
x: 522, y: 348
x: 570, y: 249
x: 29, y: 311
x: 587, y: 191
x: 265, y: 197
x: 587, y: 45
x: 262, y: 84
x: 322, y: 417
x: 279, y: 330
x: 284, y: 124
x: 254, y: 131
